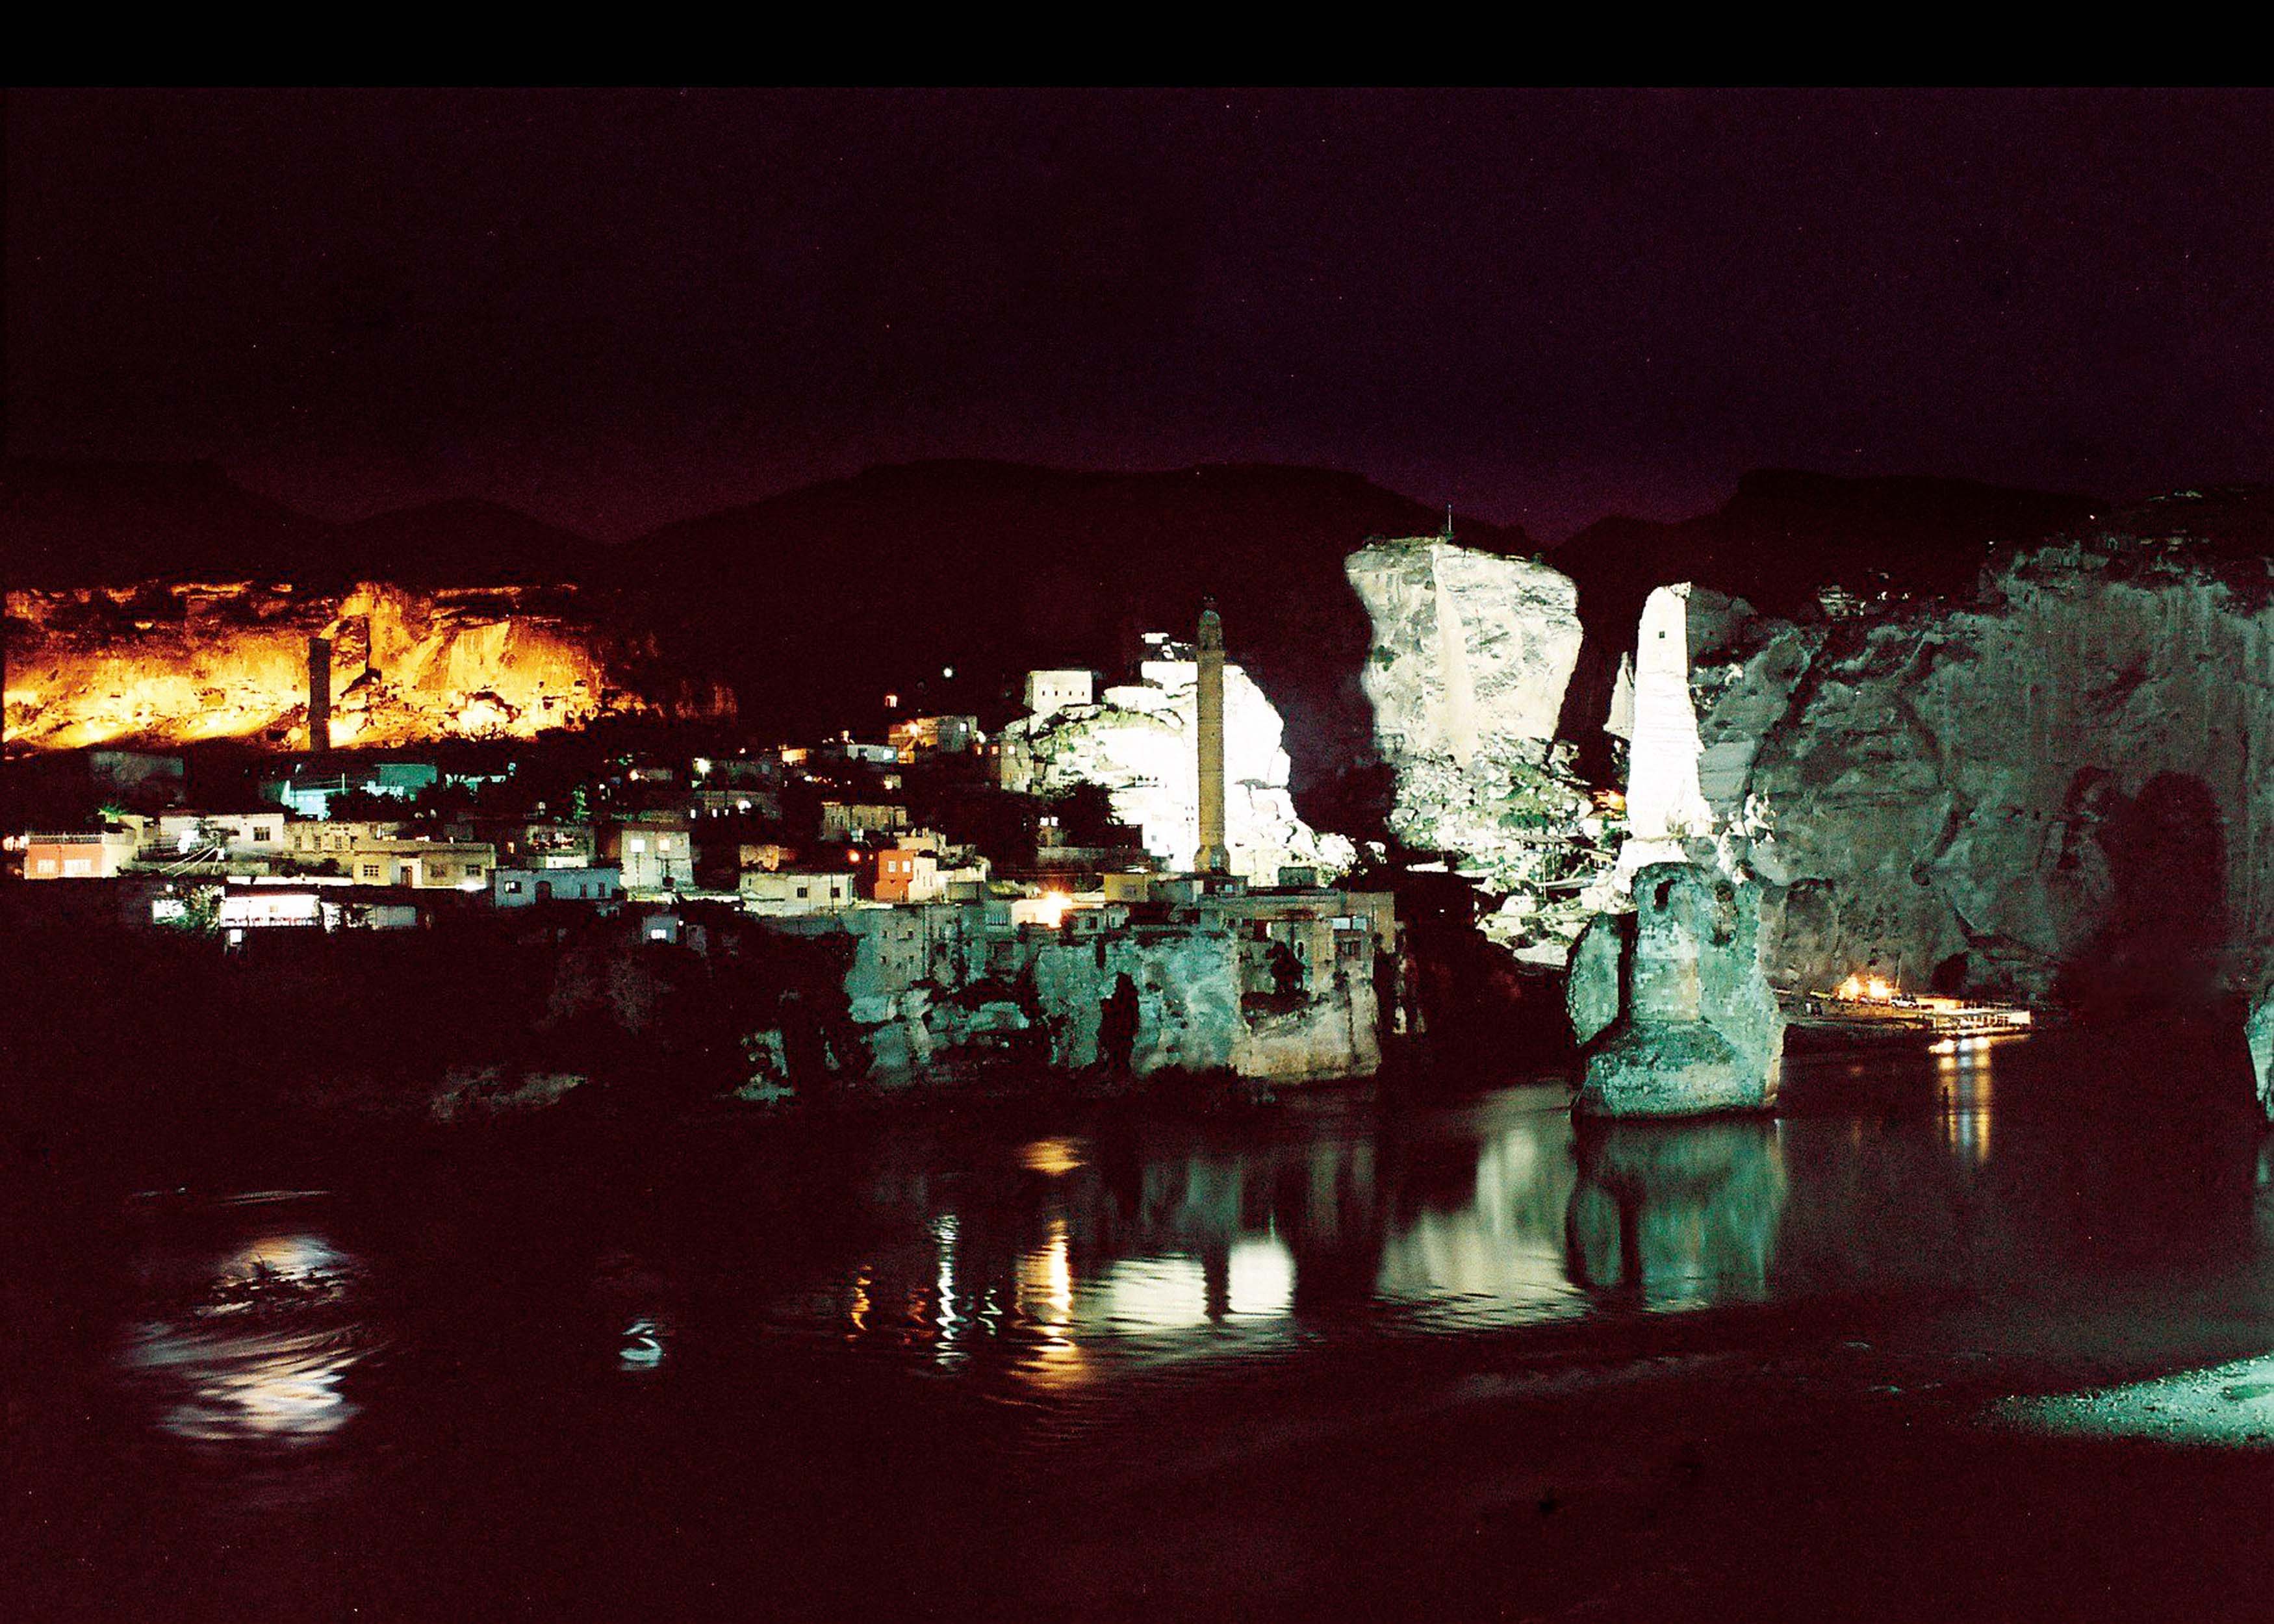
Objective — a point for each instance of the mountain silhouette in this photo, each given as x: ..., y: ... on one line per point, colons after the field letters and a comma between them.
x: 815, y: 603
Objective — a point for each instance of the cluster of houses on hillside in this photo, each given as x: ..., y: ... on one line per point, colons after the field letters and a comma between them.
x: 824, y: 839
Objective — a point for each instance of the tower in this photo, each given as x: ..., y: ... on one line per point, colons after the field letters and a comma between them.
x: 1665, y: 805
x: 1214, y: 857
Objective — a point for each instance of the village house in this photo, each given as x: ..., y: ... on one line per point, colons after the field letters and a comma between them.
x: 234, y: 834
x: 852, y: 820
x: 764, y: 854
x: 522, y: 887
x: 313, y: 839
x: 923, y: 868
x: 90, y: 856
x: 935, y: 735
x: 530, y: 843
x: 310, y: 794
x: 654, y: 851
x: 1048, y: 692
x: 422, y: 865
x: 789, y: 890
x: 733, y: 801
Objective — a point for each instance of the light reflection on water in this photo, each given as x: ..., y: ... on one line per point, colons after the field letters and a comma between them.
x: 1965, y: 1085
x: 1679, y: 1217
x: 1119, y: 1254
x: 1058, y: 1263
x: 630, y: 1379
x: 250, y: 1344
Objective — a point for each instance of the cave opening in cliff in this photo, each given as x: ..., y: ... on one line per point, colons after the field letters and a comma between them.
x: 2166, y: 942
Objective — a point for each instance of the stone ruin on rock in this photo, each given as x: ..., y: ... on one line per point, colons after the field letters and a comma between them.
x: 1665, y: 807
x: 1139, y: 742
x: 1670, y: 1004
x: 1470, y: 657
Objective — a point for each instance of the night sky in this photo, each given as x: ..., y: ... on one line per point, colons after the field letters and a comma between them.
x: 613, y: 310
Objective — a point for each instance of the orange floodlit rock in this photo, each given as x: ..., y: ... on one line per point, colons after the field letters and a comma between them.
x: 176, y: 663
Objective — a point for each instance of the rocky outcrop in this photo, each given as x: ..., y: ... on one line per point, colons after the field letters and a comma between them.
x: 1187, y: 1014
x: 1670, y: 1004
x: 2058, y: 784
x: 2258, y: 1031
x: 174, y: 663
x: 1140, y: 745
x: 1471, y: 655
x: 1470, y: 648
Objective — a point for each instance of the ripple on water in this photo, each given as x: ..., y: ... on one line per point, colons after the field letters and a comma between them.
x: 250, y: 1343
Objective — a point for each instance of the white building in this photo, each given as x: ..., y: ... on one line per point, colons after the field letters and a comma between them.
x: 1050, y: 692
x: 422, y: 865
x: 265, y: 909
x: 522, y: 887
x: 658, y: 856
x: 238, y: 834
x: 797, y: 890
x: 309, y: 906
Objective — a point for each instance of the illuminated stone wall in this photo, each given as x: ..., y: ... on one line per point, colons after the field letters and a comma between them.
x: 1190, y: 1015
x: 176, y: 663
x: 2064, y: 779
x: 1140, y: 745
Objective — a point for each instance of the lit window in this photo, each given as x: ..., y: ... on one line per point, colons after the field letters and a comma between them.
x: 636, y: 845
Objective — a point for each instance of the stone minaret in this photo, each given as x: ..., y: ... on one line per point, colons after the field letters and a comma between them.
x: 1214, y: 857
x: 1665, y: 805
x: 319, y: 694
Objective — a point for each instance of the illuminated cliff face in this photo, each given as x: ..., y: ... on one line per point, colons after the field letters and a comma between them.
x: 175, y: 663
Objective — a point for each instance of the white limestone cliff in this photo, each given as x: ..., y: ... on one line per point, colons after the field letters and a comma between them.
x: 2061, y: 778
x: 1471, y: 650
x: 1471, y: 655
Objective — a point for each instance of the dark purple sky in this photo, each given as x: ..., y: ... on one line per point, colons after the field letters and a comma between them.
x: 616, y: 309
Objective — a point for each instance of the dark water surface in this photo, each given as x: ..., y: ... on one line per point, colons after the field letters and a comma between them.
x: 1352, y: 1357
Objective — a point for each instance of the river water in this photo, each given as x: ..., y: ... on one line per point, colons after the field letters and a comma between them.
x: 1353, y: 1356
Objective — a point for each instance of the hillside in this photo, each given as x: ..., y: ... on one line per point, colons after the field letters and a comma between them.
x: 830, y: 596
x: 814, y: 604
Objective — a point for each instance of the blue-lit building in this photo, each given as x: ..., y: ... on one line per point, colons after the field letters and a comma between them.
x: 311, y: 794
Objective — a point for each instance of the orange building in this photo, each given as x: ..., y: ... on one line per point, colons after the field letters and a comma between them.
x: 896, y: 874
x: 75, y: 856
